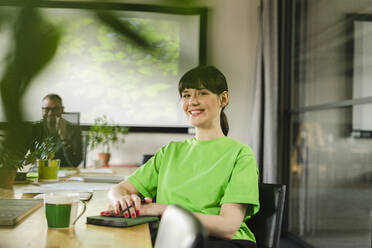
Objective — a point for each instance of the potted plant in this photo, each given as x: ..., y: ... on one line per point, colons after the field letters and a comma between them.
x: 11, y: 161
x: 104, y: 134
x: 13, y: 156
x: 42, y: 154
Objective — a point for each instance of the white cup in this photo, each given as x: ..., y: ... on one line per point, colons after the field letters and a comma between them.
x: 61, y: 209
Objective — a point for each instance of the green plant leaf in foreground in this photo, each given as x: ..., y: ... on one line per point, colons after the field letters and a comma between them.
x: 35, y: 44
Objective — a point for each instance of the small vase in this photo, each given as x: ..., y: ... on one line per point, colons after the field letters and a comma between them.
x: 105, y: 157
x: 7, y: 177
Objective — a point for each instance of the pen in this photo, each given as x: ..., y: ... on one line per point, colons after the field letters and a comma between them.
x: 130, y: 206
x: 111, y: 212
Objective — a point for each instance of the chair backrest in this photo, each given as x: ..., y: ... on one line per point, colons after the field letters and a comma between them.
x: 73, y: 117
x: 85, y: 136
x: 146, y: 157
x: 267, y: 223
x: 180, y: 229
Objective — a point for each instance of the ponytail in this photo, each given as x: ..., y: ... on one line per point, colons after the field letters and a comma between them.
x: 224, y: 123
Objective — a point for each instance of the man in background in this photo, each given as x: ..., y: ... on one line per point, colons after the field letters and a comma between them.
x: 67, y: 136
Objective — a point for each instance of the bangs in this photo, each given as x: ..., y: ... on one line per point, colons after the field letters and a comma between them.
x: 206, y: 77
x: 190, y: 84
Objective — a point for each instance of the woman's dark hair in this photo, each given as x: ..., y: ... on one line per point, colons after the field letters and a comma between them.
x: 210, y: 78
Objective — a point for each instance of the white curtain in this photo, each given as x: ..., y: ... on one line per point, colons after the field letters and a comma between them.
x: 264, y: 122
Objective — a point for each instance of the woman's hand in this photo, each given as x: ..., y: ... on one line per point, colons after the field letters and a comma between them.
x: 127, y: 202
x: 61, y: 127
x: 125, y: 199
x: 142, y: 207
x: 132, y: 206
x: 128, y: 205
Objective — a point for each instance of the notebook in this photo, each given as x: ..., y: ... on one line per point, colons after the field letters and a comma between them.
x: 13, y: 211
x: 120, y: 221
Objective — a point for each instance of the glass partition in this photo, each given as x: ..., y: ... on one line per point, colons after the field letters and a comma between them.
x: 330, y: 153
x: 333, y: 55
x: 331, y: 181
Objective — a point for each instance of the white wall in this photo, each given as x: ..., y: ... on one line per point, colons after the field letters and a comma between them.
x: 136, y: 145
x: 231, y: 47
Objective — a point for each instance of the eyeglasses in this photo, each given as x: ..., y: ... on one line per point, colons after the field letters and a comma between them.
x: 53, y: 110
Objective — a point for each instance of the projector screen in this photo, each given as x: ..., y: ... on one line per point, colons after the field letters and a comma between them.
x: 97, y: 71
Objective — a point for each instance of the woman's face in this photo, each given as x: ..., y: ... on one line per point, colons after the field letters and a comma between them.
x: 202, y: 107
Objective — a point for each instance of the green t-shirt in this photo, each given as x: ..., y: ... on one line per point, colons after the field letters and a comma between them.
x: 202, y: 175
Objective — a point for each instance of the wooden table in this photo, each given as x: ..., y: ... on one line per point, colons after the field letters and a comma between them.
x: 33, y: 231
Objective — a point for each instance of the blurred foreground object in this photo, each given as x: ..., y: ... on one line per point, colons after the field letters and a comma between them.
x: 35, y: 43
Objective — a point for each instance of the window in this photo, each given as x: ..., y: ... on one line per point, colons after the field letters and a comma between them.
x: 330, y: 165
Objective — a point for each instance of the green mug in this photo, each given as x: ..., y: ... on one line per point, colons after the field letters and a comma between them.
x: 61, y: 209
x: 48, y: 170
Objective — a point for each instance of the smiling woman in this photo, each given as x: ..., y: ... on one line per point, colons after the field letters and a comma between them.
x: 225, y: 167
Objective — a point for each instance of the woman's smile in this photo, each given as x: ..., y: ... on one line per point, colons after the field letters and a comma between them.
x: 195, y: 112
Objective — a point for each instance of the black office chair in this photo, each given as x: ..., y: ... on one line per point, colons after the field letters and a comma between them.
x: 146, y: 158
x: 267, y: 223
x: 180, y: 229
